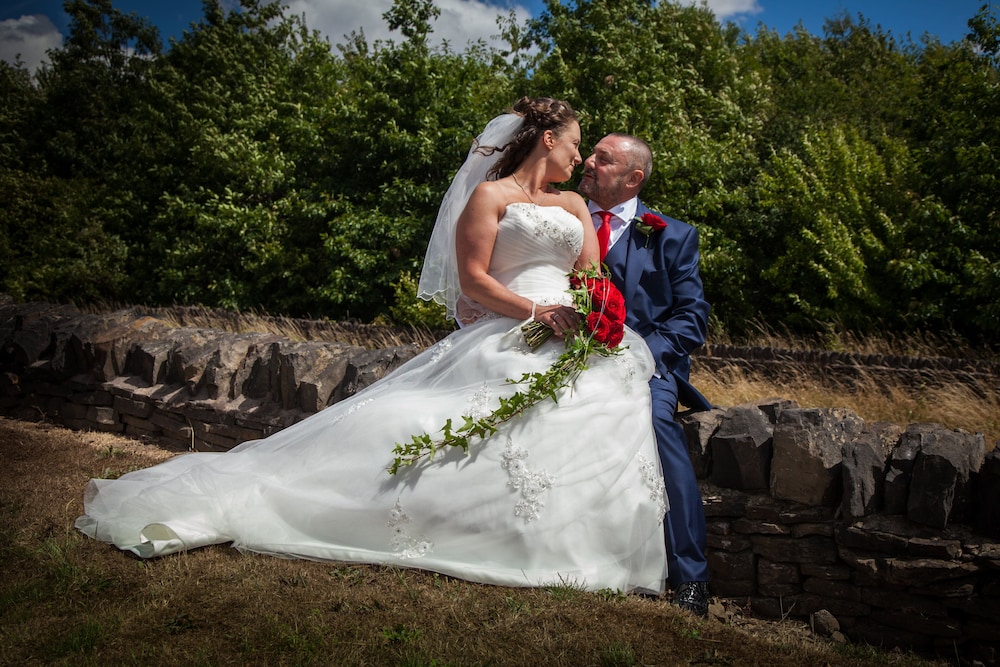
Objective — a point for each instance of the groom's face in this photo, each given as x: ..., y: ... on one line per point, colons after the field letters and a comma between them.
x: 606, y: 172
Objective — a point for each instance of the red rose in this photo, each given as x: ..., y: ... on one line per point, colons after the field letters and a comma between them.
x: 605, y: 330
x: 600, y: 327
x: 597, y: 288
x: 612, y: 304
x: 648, y: 224
x: 654, y: 222
x: 616, y: 335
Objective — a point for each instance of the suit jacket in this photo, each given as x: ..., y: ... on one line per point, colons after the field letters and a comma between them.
x: 664, y: 297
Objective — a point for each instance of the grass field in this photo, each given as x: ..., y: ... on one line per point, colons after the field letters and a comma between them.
x: 68, y: 600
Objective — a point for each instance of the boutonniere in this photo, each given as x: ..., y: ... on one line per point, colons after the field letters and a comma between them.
x: 648, y: 224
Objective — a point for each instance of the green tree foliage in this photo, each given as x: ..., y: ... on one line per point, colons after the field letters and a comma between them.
x: 849, y: 178
x: 670, y: 74
x: 836, y: 209
x: 955, y: 257
x: 232, y: 122
x: 68, y: 177
x: 404, y: 119
x: 863, y: 141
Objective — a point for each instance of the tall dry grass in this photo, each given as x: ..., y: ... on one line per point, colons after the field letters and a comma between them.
x: 975, y: 409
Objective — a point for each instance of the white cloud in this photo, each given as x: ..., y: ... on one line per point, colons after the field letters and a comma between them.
x: 460, y: 22
x: 730, y: 9
x: 29, y: 36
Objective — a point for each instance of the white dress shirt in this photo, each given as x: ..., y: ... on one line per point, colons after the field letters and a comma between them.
x: 621, y: 216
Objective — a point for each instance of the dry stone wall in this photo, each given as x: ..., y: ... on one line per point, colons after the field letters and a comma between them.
x: 890, y: 533
x: 893, y: 531
x: 190, y: 388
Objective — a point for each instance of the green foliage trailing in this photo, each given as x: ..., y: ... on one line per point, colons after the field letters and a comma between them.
x: 537, y: 388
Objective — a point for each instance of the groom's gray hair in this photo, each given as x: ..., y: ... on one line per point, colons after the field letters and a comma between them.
x: 640, y: 156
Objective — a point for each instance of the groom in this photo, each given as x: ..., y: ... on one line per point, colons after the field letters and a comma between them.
x: 653, y: 260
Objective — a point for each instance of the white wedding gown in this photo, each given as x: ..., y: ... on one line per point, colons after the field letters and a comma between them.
x: 569, y: 493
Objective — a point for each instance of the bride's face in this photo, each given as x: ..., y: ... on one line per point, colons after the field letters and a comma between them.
x: 565, y: 153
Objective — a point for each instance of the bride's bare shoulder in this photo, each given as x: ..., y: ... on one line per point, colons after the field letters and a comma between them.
x: 574, y: 203
x: 493, y: 192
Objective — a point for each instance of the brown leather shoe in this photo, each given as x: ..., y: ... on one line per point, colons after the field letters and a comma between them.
x: 693, y: 596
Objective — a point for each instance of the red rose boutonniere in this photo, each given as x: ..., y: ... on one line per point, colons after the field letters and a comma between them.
x: 648, y: 224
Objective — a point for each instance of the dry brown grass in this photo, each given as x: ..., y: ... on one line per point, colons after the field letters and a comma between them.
x: 370, y: 336
x: 913, y: 344
x: 66, y: 599
x: 958, y: 406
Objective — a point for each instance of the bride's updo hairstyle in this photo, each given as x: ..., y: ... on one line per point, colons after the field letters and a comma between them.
x: 540, y: 114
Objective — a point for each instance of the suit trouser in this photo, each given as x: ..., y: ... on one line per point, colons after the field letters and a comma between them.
x: 684, y: 526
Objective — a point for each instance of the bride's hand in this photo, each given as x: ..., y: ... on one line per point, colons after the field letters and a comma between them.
x: 561, y: 319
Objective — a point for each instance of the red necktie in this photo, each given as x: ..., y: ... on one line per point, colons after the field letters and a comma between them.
x: 604, y: 232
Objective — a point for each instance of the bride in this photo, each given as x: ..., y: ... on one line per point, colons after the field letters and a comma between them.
x: 570, y: 492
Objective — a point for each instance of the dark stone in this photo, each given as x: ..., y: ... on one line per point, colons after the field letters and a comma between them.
x: 808, y: 446
x: 829, y: 572
x: 922, y: 571
x: 773, y: 407
x: 195, y: 352
x: 133, y: 407
x: 720, y: 502
x: 864, y: 469
x: 774, y: 579
x: 731, y: 543
x: 28, y: 334
x: 807, y: 603
x: 900, y: 469
x: 888, y: 637
x: 832, y: 589
x: 148, y: 361
x: 940, y: 486
x: 699, y: 427
x: 934, y: 626
x: 732, y: 574
x: 807, y: 529
x: 902, y: 602
x: 741, y: 449
x: 792, y: 550
x: 987, y: 495
x: 763, y: 508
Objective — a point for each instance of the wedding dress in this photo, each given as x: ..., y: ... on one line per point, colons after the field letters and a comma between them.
x: 569, y: 493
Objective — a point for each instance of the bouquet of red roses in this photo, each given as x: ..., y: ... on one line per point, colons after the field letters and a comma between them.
x: 601, y: 330
x: 602, y: 306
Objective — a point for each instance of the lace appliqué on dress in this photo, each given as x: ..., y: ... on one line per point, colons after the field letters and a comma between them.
x: 626, y: 368
x: 402, y: 542
x: 564, y: 230
x: 531, y: 483
x: 440, y: 349
x: 481, y: 402
x: 654, y: 482
x: 351, y: 410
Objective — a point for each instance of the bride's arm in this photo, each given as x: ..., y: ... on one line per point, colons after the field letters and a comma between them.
x: 476, y: 234
x: 590, y: 255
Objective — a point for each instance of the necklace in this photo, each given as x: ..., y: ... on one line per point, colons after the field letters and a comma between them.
x: 539, y: 202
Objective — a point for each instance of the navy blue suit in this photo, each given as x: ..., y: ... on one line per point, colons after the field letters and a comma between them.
x: 665, y: 302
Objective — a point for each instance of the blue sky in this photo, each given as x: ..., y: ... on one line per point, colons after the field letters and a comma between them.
x: 29, y: 27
